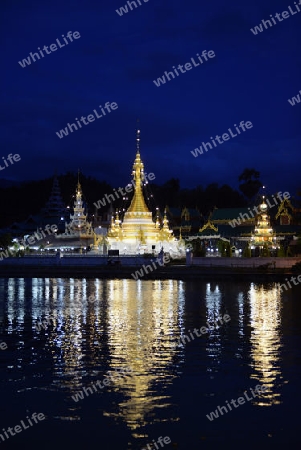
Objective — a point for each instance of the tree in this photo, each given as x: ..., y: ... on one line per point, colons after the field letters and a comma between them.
x: 171, y: 191
x: 247, y: 251
x: 281, y: 251
x: 251, y: 183
x: 198, y: 248
x: 224, y: 248
x: 228, y: 251
x: 265, y: 252
x: 5, y: 240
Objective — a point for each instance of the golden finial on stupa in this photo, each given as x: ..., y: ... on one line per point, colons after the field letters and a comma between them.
x: 138, y: 138
x: 165, y: 232
x: 79, y: 188
x: 157, y: 218
x: 138, y: 203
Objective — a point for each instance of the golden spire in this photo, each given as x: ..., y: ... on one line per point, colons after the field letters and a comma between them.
x: 79, y: 188
x: 165, y: 232
x: 157, y: 218
x: 165, y: 221
x: 138, y: 203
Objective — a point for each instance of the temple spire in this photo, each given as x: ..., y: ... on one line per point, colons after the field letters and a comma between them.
x: 78, y: 221
x: 138, y: 138
x: 138, y: 203
x: 79, y: 188
x: 55, y: 206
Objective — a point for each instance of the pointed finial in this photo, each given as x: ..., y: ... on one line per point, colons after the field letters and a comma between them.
x: 138, y: 137
x: 79, y: 188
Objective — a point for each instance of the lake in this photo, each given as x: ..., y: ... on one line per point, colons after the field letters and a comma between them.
x: 116, y: 364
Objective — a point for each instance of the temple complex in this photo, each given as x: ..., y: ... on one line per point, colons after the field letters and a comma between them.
x: 138, y: 233
x: 138, y: 228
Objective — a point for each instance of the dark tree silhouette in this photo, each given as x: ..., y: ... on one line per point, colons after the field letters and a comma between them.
x: 251, y: 183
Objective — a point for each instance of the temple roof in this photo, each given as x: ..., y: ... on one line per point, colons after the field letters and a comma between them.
x: 287, y: 229
x: 228, y: 213
x: 138, y: 203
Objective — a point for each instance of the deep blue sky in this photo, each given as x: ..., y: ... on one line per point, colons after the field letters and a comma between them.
x: 117, y: 58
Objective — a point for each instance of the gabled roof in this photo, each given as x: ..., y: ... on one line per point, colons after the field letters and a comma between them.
x: 229, y: 213
x: 208, y: 226
x: 228, y: 231
x: 175, y: 212
x: 193, y: 212
x: 287, y: 229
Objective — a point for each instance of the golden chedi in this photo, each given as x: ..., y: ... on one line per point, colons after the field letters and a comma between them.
x: 138, y: 233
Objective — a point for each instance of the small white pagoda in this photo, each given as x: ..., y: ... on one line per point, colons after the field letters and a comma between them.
x: 78, y: 227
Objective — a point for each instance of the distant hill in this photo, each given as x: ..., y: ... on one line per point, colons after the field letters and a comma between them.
x: 8, y: 183
x: 20, y: 200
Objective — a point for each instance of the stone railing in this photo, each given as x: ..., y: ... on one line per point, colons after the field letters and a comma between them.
x: 284, y: 263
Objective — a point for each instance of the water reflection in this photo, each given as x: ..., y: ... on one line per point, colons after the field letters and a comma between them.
x: 142, y: 325
x: 102, y: 325
x: 96, y: 326
x: 213, y: 313
x: 265, y: 320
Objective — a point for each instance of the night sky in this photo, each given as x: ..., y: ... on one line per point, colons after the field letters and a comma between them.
x: 117, y: 58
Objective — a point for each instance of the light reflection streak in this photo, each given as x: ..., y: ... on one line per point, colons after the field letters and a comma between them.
x: 241, y: 314
x: 142, y: 325
x: 133, y: 324
x: 213, y: 312
x: 265, y: 320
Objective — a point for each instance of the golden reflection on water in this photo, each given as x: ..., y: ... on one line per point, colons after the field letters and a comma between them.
x: 265, y: 321
x: 128, y: 324
x: 142, y: 325
x: 133, y: 325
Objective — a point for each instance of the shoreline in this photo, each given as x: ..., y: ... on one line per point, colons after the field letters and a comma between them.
x: 176, y: 272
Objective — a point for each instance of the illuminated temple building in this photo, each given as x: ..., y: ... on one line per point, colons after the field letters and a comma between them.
x: 138, y: 233
x: 78, y: 233
x: 78, y: 226
x: 264, y: 236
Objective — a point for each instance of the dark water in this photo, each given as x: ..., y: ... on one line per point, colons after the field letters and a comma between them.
x: 96, y: 327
